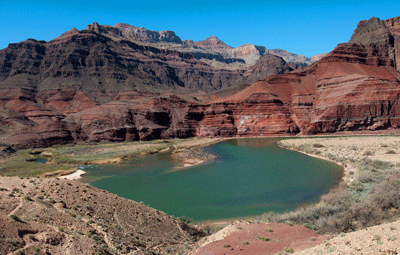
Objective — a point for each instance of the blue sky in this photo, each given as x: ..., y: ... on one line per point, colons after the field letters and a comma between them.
x: 301, y: 27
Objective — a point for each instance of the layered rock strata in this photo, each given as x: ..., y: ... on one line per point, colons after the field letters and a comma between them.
x: 356, y: 87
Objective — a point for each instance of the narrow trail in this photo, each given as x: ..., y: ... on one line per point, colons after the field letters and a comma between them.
x: 18, y: 207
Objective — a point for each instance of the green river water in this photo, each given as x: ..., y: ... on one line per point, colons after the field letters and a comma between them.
x: 249, y: 177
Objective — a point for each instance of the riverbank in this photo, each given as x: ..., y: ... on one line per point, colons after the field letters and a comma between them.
x: 74, y: 176
x: 57, y: 160
x: 369, y: 198
x: 348, y: 151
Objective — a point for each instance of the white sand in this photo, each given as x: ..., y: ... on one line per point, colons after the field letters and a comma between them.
x: 74, y: 176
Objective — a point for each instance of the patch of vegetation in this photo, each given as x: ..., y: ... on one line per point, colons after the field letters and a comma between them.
x: 245, y: 242
x: 269, y: 230
x: 14, y: 242
x: 263, y: 238
x: 226, y: 245
x: 374, y: 197
x: 185, y: 219
x: 14, y: 217
x: 288, y: 250
x: 368, y: 153
x: 60, y: 229
x: 209, y: 229
x: 65, y: 157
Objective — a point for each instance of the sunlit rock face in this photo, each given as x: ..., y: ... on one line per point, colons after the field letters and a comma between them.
x: 86, y: 86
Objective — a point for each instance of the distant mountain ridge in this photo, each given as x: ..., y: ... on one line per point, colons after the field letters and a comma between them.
x: 100, y: 85
x: 212, y: 45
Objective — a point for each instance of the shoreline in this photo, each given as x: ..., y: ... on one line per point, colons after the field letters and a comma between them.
x: 74, y: 176
x: 348, y: 172
x: 346, y: 151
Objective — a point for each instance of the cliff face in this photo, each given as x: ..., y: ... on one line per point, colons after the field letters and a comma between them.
x: 91, y: 62
x: 250, y: 53
x: 356, y: 87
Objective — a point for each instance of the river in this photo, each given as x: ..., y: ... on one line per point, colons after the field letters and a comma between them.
x: 247, y: 177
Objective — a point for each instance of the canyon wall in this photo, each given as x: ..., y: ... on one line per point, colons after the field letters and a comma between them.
x: 87, y: 92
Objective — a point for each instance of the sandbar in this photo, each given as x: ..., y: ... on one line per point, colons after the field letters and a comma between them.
x: 74, y: 176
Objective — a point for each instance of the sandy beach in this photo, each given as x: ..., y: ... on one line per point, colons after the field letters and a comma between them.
x: 74, y: 176
x: 345, y: 150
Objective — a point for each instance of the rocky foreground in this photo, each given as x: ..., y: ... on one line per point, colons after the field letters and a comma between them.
x: 52, y: 216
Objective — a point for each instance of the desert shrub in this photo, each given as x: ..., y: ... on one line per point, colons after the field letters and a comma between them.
x: 368, y: 165
x: 318, y: 145
x: 391, y: 152
x: 14, y: 217
x: 288, y: 250
x: 226, y: 245
x: 245, y: 242
x: 60, y: 229
x: 367, y: 213
x: 36, y: 249
x: 386, y: 195
x: 365, y: 177
x: 263, y: 238
x: 185, y: 219
x: 368, y: 153
x: 269, y: 230
x: 368, y: 201
x: 209, y: 229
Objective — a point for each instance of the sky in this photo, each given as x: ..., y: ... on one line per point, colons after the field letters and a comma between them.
x: 302, y: 27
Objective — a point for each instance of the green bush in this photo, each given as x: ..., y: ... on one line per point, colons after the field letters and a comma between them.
x: 226, y: 245
x: 288, y: 250
x: 14, y: 217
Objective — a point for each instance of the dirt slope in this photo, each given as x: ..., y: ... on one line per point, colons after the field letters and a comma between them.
x: 69, y: 217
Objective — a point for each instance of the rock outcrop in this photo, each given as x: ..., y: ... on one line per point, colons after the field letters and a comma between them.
x: 250, y: 53
x: 212, y: 43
